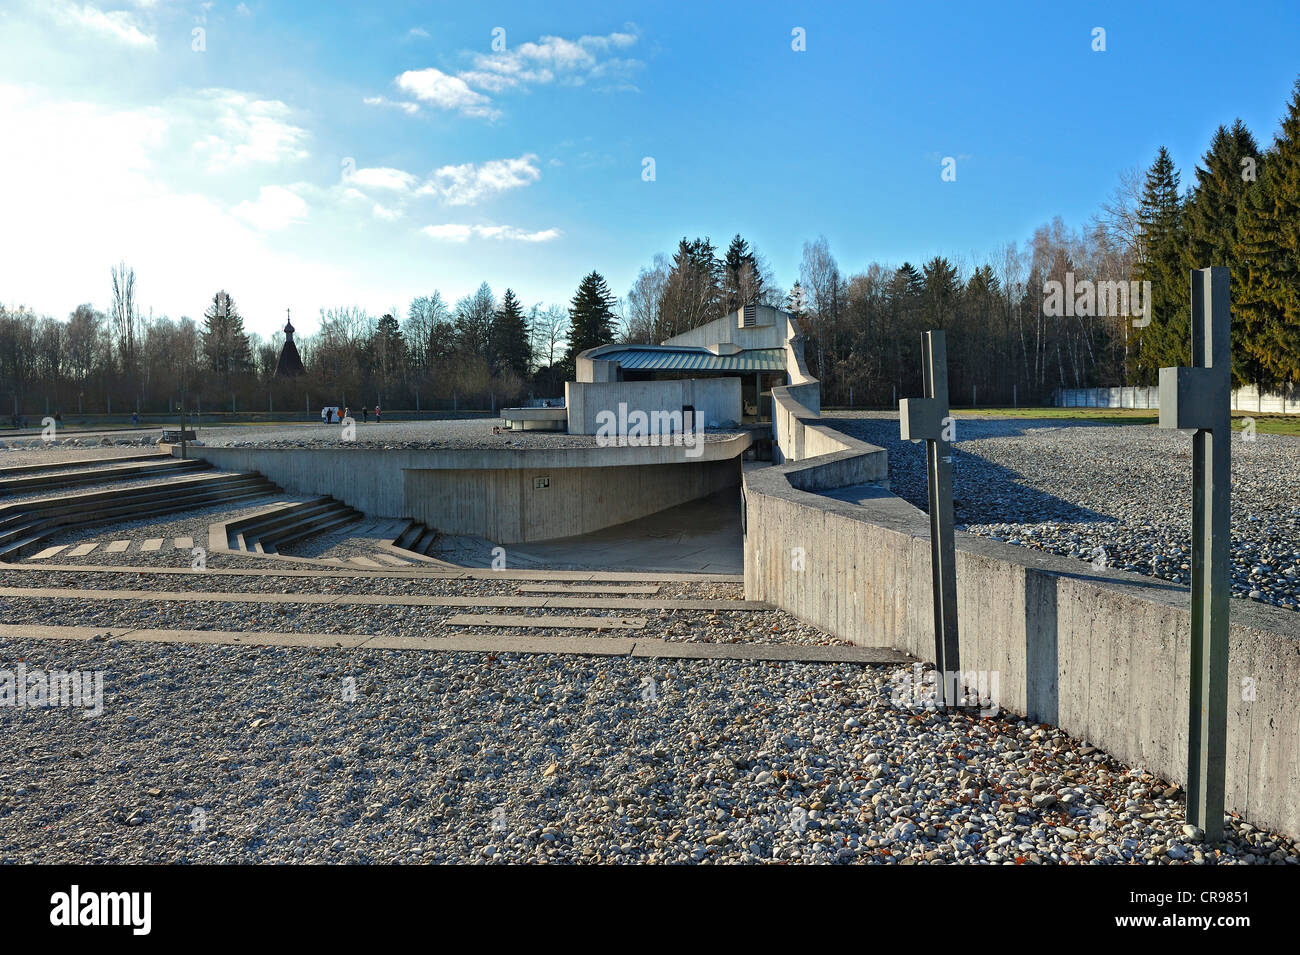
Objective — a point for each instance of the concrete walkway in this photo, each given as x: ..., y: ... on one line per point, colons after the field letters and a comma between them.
x: 596, y: 602
x: 358, y: 573
x: 639, y: 648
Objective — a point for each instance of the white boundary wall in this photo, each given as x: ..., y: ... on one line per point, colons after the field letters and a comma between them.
x: 1245, y: 399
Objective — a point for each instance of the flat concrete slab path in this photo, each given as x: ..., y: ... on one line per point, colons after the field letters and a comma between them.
x: 358, y: 573
x: 639, y: 648
x: 373, y: 600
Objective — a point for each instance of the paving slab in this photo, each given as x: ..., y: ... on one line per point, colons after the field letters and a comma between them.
x: 584, y: 589
x: 183, y: 543
x: 669, y: 650
x: 248, y: 637
x: 548, y: 622
x: 161, y: 596
x: 378, y: 600
x: 117, y: 547
x: 41, y: 631
x: 49, y: 552
x: 508, y: 643
x: 637, y: 648
x: 152, y: 544
x: 272, y: 570
x: 81, y: 550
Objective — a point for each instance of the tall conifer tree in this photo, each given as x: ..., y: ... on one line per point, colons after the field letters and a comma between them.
x: 1267, y: 298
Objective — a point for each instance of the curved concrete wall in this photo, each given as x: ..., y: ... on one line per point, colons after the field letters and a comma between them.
x: 1102, y: 654
x: 492, y: 492
x: 509, y: 507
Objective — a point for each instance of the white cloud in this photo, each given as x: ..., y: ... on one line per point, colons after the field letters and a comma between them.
x: 276, y: 208
x: 409, y: 108
x: 243, y: 10
x: 454, y: 232
x: 117, y: 25
x: 420, y: 32
x: 450, y: 232
x: 385, y: 213
x: 552, y: 59
x: 444, y: 92
x: 382, y: 177
x: 237, y: 130
x: 99, y: 184
x: 467, y: 183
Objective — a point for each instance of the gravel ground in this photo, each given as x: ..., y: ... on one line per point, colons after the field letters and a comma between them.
x: 1118, y: 493
x: 407, y: 435
x: 692, y: 626
x: 207, y: 754
x: 342, y: 583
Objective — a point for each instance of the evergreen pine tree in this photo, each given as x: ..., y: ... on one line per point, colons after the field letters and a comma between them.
x: 797, y: 301
x: 1266, y: 294
x: 225, y: 345
x: 1161, y: 259
x: 591, y: 317
x: 1230, y: 170
x: 388, y: 352
x: 510, y: 339
x: 741, y: 281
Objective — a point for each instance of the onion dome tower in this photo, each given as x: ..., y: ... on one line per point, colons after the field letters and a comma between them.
x: 290, y: 364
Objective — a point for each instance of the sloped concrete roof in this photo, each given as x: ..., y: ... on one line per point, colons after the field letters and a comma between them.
x: 684, y: 358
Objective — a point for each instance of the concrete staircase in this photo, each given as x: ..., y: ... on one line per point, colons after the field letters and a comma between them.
x: 26, y: 525
x: 268, y: 531
x: 161, y: 464
x: 416, y: 538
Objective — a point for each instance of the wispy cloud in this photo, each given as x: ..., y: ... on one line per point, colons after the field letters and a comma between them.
x: 244, y: 130
x: 409, y: 108
x: 554, y: 59
x: 455, y: 232
x: 467, y: 183
x: 118, y: 25
x: 276, y: 208
x: 588, y: 60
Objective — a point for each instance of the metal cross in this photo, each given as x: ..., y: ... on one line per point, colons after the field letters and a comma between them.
x: 928, y: 419
x: 1199, y: 399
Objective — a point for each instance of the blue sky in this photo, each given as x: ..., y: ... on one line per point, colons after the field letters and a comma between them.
x: 317, y: 154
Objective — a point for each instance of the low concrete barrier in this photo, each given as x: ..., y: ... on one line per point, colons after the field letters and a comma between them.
x: 1102, y: 654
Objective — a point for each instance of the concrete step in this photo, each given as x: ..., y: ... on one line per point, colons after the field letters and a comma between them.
x: 409, y: 535
x: 321, y: 524
x: 249, y: 533
x: 28, y: 524
x: 82, y: 463
x: 103, y: 475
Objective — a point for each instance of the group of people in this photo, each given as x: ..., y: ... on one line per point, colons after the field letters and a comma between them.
x: 335, y: 415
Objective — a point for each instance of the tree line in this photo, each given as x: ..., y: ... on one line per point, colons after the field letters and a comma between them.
x: 1069, y: 308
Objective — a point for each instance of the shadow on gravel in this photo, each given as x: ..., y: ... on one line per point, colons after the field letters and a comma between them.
x: 983, y: 492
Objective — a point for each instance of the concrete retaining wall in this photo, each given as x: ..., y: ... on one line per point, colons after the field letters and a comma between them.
x: 716, y: 402
x: 508, y: 506
x: 490, y: 492
x: 1102, y: 654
